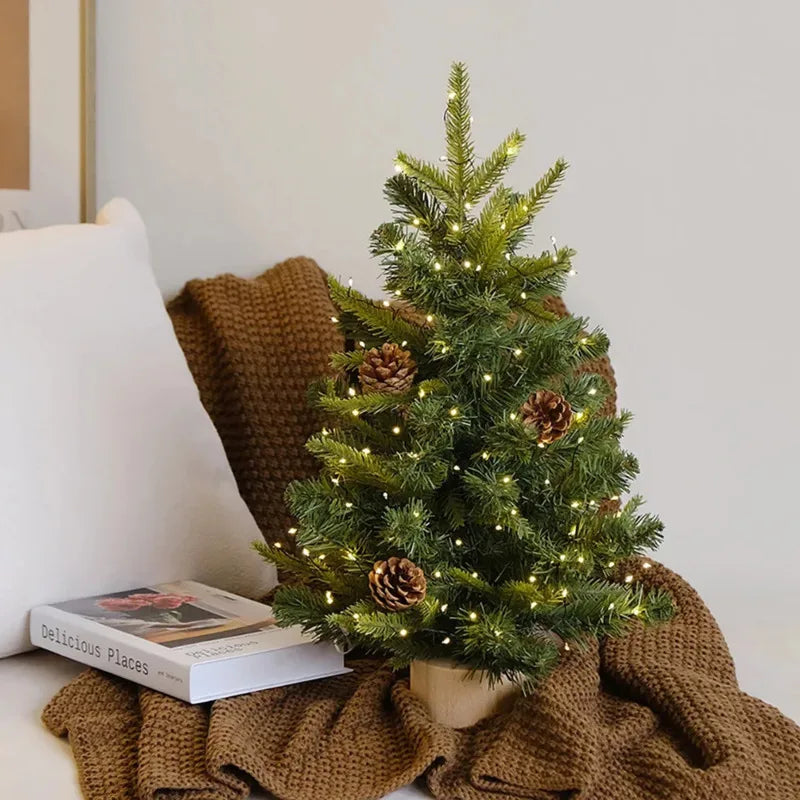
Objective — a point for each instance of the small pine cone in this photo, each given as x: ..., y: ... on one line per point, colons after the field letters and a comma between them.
x: 397, y: 584
x: 549, y: 412
x: 609, y: 506
x: 390, y: 370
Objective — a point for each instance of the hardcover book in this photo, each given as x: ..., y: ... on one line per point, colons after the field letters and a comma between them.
x: 185, y: 639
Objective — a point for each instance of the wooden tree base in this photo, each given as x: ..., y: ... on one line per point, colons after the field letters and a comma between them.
x: 457, y: 698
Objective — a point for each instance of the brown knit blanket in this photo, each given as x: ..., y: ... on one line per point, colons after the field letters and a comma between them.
x: 657, y: 714
x: 654, y: 715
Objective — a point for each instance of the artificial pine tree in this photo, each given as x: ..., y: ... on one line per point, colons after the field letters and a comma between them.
x: 468, y: 502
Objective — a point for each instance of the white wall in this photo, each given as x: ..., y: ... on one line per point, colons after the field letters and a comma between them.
x: 250, y: 131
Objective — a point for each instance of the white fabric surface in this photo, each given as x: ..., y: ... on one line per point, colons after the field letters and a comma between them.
x: 34, y: 764
x: 112, y: 476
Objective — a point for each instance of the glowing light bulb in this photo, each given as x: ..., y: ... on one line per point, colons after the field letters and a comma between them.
x: 540, y: 445
x: 534, y: 604
x: 403, y: 632
x: 593, y: 391
x: 455, y: 227
x: 355, y: 616
x: 400, y: 245
x: 572, y: 273
x: 415, y: 221
x: 366, y: 451
x: 429, y: 318
x: 573, y: 530
x: 292, y: 531
x: 355, y: 412
x: 523, y: 295
x: 437, y: 266
x: 478, y: 268
x: 563, y: 556
x: 581, y: 559
x: 437, y: 574
x: 416, y: 514
x: 487, y: 377
x: 453, y: 412
x: 518, y: 352
x: 342, y: 460
x: 451, y: 96
x: 564, y: 592
x: 386, y: 495
x: 467, y: 264
x: 446, y: 640
x: 629, y: 579
x: 514, y: 512
x: 610, y: 564
x: 351, y: 391
x: 532, y: 579
x: 456, y: 468
x: 579, y: 415
x: 524, y: 208
x: 498, y: 527
x: 398, y: 167
x: 277, y: 544
x: 329, y: 598
x: 348, y: 504
x: 485, y: 455
x: 580, y: 440
x: 443, y: 607
x: 396, y: 430
x: 386, y: 304
x: 508, y: 256
x: 566, y: 646
x: 647, y: 565
x: 335, y: 481
x: 421, y: 393
x: 547, y: 481
x: 512, y: 415
x: 334, y: 319
x: 306, y: 552
x: 473, y: 616
x: 575, y: 504
x: 502, y: 226
x: 459, y: 542
x: 506, y: 479
x: 468, y: 205
x: 474, y: 574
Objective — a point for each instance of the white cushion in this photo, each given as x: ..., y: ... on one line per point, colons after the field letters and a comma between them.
x: 111, y: 473
x: 34, y: 764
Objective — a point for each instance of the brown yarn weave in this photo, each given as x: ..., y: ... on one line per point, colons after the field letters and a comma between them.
x: 253, y: 347
x: 656, y: 715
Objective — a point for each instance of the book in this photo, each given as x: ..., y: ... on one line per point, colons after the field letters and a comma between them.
x: 184, y: 639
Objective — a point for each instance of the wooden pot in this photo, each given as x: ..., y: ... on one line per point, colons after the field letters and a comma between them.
x: 457, y: 698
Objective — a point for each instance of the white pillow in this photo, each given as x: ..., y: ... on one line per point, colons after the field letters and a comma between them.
x: 111, y: 473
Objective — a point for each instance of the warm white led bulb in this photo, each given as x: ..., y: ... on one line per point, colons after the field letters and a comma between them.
x: 334, y: 319
x: 306, y: 551
x: 451, y: 96
x: 518, y: 352
x: 403, y: 632
x: 498, y: 527
x: 629, y: 579
x: 292, y: 531
x: 532, y: 579
x: 386, y: 304
x: 429, y: 318
x: 473, y: 616
x: 351, y: 391
x: 446, y: 640
x: 487, y: 377
x: 396, y: 430
x: 506, y: 479
x: 453, y: 412
x: 348, y: 504
x: 455, y: 227
x: 459, y: 542
x: 467, y: 264
x: 437, y: 574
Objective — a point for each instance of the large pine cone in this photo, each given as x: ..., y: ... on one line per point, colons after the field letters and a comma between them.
x: 549, y: 412
x: 390, y: 370
x: 397, y: 584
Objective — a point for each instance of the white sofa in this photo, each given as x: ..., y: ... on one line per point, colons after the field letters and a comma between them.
x: 35, y: 765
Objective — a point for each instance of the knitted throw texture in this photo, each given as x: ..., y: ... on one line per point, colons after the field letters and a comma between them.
x: 655, y: 715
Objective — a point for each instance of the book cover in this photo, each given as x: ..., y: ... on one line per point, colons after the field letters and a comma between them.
x: 183, y: 638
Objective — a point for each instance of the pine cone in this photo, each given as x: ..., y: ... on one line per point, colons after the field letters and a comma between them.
x: 390, y: 370
x: 397, y: 584
x: 609, y: 506
x: 549, y: 412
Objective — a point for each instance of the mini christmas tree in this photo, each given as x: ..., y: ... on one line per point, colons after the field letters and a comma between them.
x: 468, y: 505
